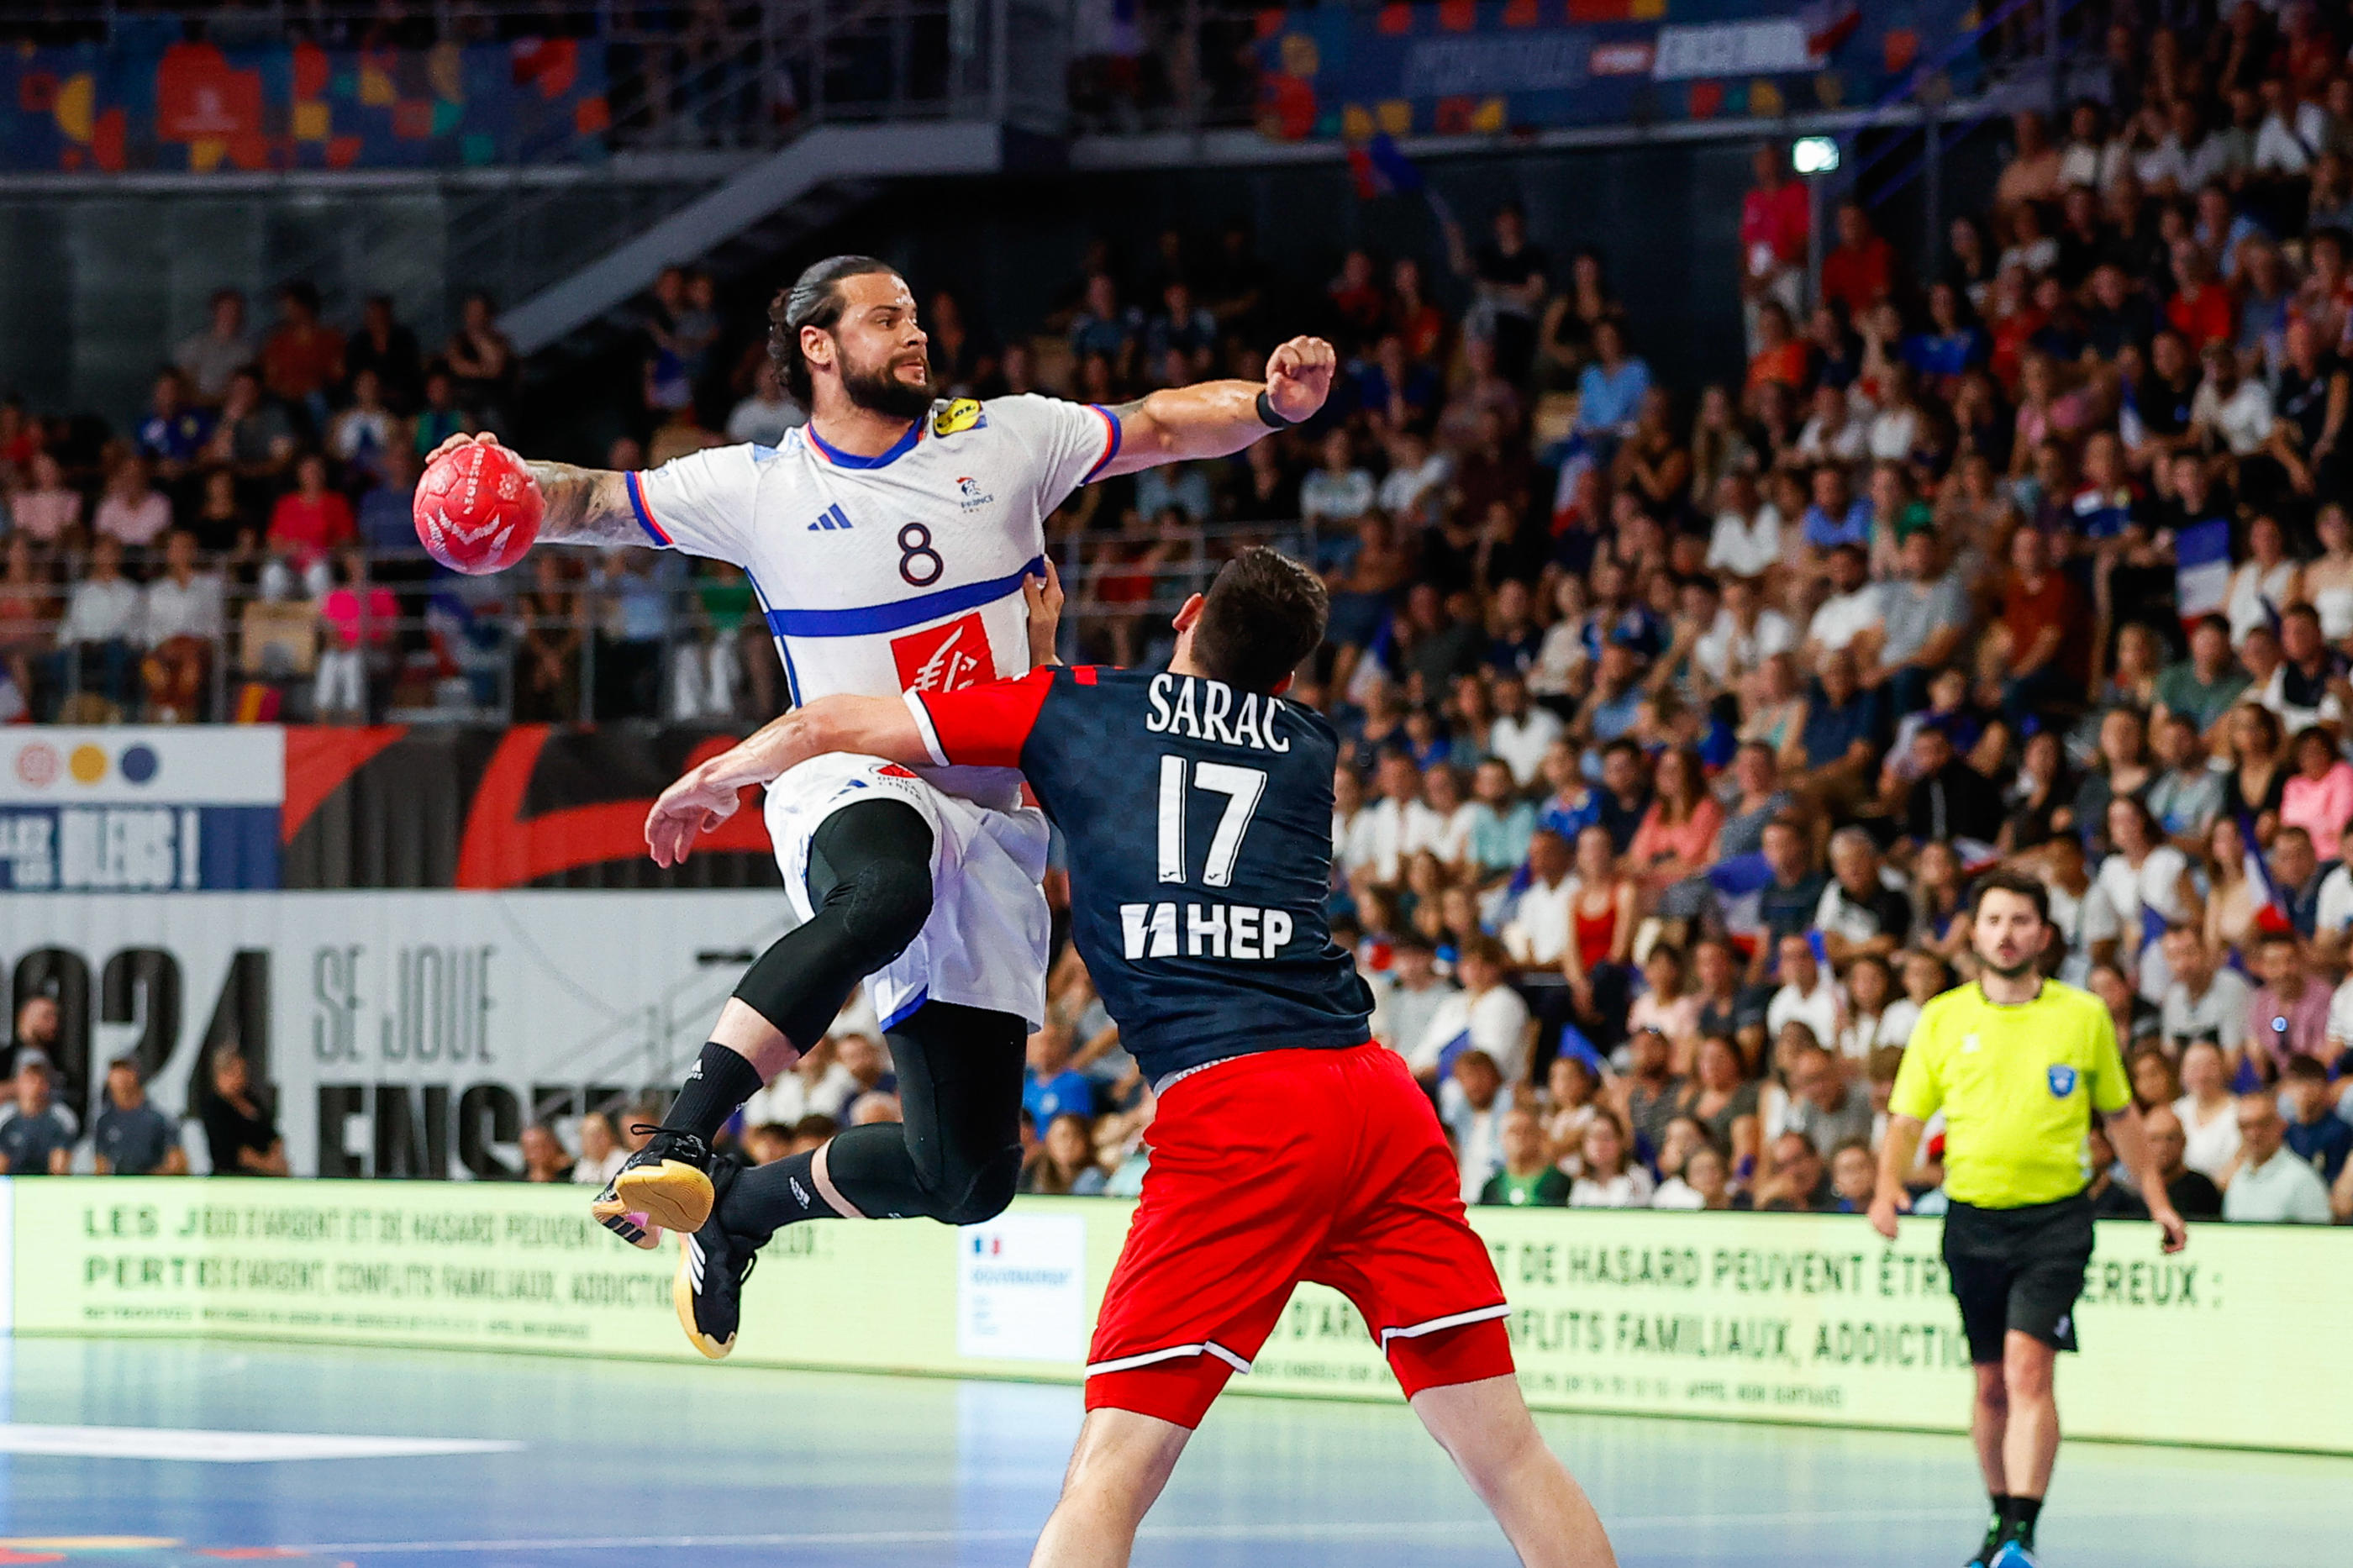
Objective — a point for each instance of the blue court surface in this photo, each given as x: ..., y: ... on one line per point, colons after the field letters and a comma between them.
x: 189, y: 1453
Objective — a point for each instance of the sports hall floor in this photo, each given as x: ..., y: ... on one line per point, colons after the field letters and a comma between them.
x: 581, y: 1464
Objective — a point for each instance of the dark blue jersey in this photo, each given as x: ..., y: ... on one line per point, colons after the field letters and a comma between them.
x: 1199, y: 826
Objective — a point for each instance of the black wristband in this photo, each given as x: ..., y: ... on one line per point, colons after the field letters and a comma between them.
x: 1268, y: 416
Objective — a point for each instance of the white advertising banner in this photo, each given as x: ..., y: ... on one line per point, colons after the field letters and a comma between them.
x: 1021, y: 1288
x: 401, y: 1033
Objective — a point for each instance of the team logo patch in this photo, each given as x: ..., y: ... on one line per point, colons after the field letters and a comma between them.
x: 969, y: 494
x: 2063, y: 1081
x: 944, y: 658
x: 964, y: 414
x: 896, y: 771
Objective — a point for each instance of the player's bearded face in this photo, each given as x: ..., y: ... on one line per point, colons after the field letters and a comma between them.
x: 894, y: 380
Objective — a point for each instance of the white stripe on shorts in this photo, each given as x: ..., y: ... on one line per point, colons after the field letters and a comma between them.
x: 1451, y: 1321
x: 1206, y: 1347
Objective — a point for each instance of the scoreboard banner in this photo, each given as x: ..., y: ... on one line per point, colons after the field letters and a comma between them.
x: 130, y: 809
x: 1806, y: 1318
x: 399, y: 1034
x: 1488, y: 67
x: 189, y: 808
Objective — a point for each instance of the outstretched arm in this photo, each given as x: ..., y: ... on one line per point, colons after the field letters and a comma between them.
x: 707, y: 795
x: 1215, y: 418
x: 582, y: 506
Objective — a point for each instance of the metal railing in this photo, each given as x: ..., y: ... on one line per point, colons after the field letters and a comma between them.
x: 631, y: 635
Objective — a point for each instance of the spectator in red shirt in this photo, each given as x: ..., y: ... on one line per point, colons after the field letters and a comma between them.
x: 1781, y: 355
x: 1859, y: 272
x: 310, y: 519
x: 1356, y: 302
x: 2044, y: 616
x: 2201, y: 309
x: 302, y: 358
x: 1776, y: 226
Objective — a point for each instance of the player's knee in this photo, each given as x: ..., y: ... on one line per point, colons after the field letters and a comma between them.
x: 884, y: 906
x: 989, y: 1191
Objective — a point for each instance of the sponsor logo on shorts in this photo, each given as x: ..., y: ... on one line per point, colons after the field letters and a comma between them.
x: 897, y: 771
x: 944, y: 658
x: 2063, y: 1081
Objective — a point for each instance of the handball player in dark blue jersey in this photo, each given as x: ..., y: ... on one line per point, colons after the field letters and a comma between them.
x: 1287, y: 1146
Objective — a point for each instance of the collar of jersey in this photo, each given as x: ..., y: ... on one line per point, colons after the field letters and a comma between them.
x: 898, y: 448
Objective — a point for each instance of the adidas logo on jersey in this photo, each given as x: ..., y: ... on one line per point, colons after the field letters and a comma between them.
x: 833, y: 516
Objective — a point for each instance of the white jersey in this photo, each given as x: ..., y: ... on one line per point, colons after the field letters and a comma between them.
x: 902, y: 572
x: 898, y: 572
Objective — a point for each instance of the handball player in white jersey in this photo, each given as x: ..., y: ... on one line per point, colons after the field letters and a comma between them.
x: 895, y: 544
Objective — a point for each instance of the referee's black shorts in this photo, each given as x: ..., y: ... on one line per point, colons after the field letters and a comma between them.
x: 2018, y: 1269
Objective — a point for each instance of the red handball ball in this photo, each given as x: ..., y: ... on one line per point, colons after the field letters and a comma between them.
x: 477, y: 508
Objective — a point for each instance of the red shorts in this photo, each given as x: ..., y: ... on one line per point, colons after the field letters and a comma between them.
x: 1282, y: 1166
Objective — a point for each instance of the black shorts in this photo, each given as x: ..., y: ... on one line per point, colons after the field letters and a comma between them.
x: 2018, y: 1269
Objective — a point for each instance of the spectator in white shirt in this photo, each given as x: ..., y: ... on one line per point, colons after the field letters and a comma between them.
x: 1473, y: 1105
x: 1415, y: 486
x: 1609, y: 1178
x: 1833, y: 434
x: 132, y: 511
x: 1522, y: 732
x: 182, y: 621
x: 763, y: 419
x: 2271, y: 1185
x: 102, y: 624
x: 601, y: 1154
x: 2228, y: 408
x: 1746, y: 539
x: 1485, y: 1016
x: 1809, y: 994
x: 2209, y: 1125
x: 1851, y: 615
x: 1395, y: 822
x: 1743, y: 635
x: 1335, y: 495
x: 1538, y: 931
x: 1410, y: 994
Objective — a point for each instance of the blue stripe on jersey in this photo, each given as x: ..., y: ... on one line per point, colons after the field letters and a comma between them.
x: 637, y: 505
x: 900, y: 614
x: 906, y: 1010
x: 1111, y: 422
x: 898, y: 448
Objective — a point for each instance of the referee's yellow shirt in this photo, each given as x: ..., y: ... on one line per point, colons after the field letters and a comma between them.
x: 2018, y: 1085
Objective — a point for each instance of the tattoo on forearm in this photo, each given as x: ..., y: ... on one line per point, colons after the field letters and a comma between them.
x: 585, y: 506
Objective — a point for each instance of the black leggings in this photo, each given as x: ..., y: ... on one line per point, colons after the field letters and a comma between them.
x: 958, y: 1155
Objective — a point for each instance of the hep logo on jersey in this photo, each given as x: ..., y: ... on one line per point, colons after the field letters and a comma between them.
x: 970, y: 494
x: 946, y: 657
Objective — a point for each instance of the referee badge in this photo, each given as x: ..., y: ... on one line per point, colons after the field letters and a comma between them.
x: 2063, y: 1081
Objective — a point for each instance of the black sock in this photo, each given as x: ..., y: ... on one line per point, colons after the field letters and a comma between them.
x: 764, y: 1199
x: 715, y: 1091
x: 2018, y: 1517
x: 2001, y: 1502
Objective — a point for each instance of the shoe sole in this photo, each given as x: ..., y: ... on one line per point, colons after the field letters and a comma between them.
x: 681, y: 1296
x: 614, y: 1215
x: 673, y: 1194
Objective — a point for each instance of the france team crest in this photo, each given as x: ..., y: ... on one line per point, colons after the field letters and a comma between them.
x: 2063, y: 1081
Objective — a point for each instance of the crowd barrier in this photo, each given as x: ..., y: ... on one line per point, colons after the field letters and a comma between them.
x: 1804, y: 1319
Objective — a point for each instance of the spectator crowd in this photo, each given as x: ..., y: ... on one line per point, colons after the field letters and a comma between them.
x: 1676, y: 720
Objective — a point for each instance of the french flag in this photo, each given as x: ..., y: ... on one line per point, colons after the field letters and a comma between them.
x: 1740, y: 882
x: 1382, y: 169
x: 2202, y: 568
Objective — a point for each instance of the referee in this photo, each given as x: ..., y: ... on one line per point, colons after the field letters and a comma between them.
x: 2018, y: 1064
